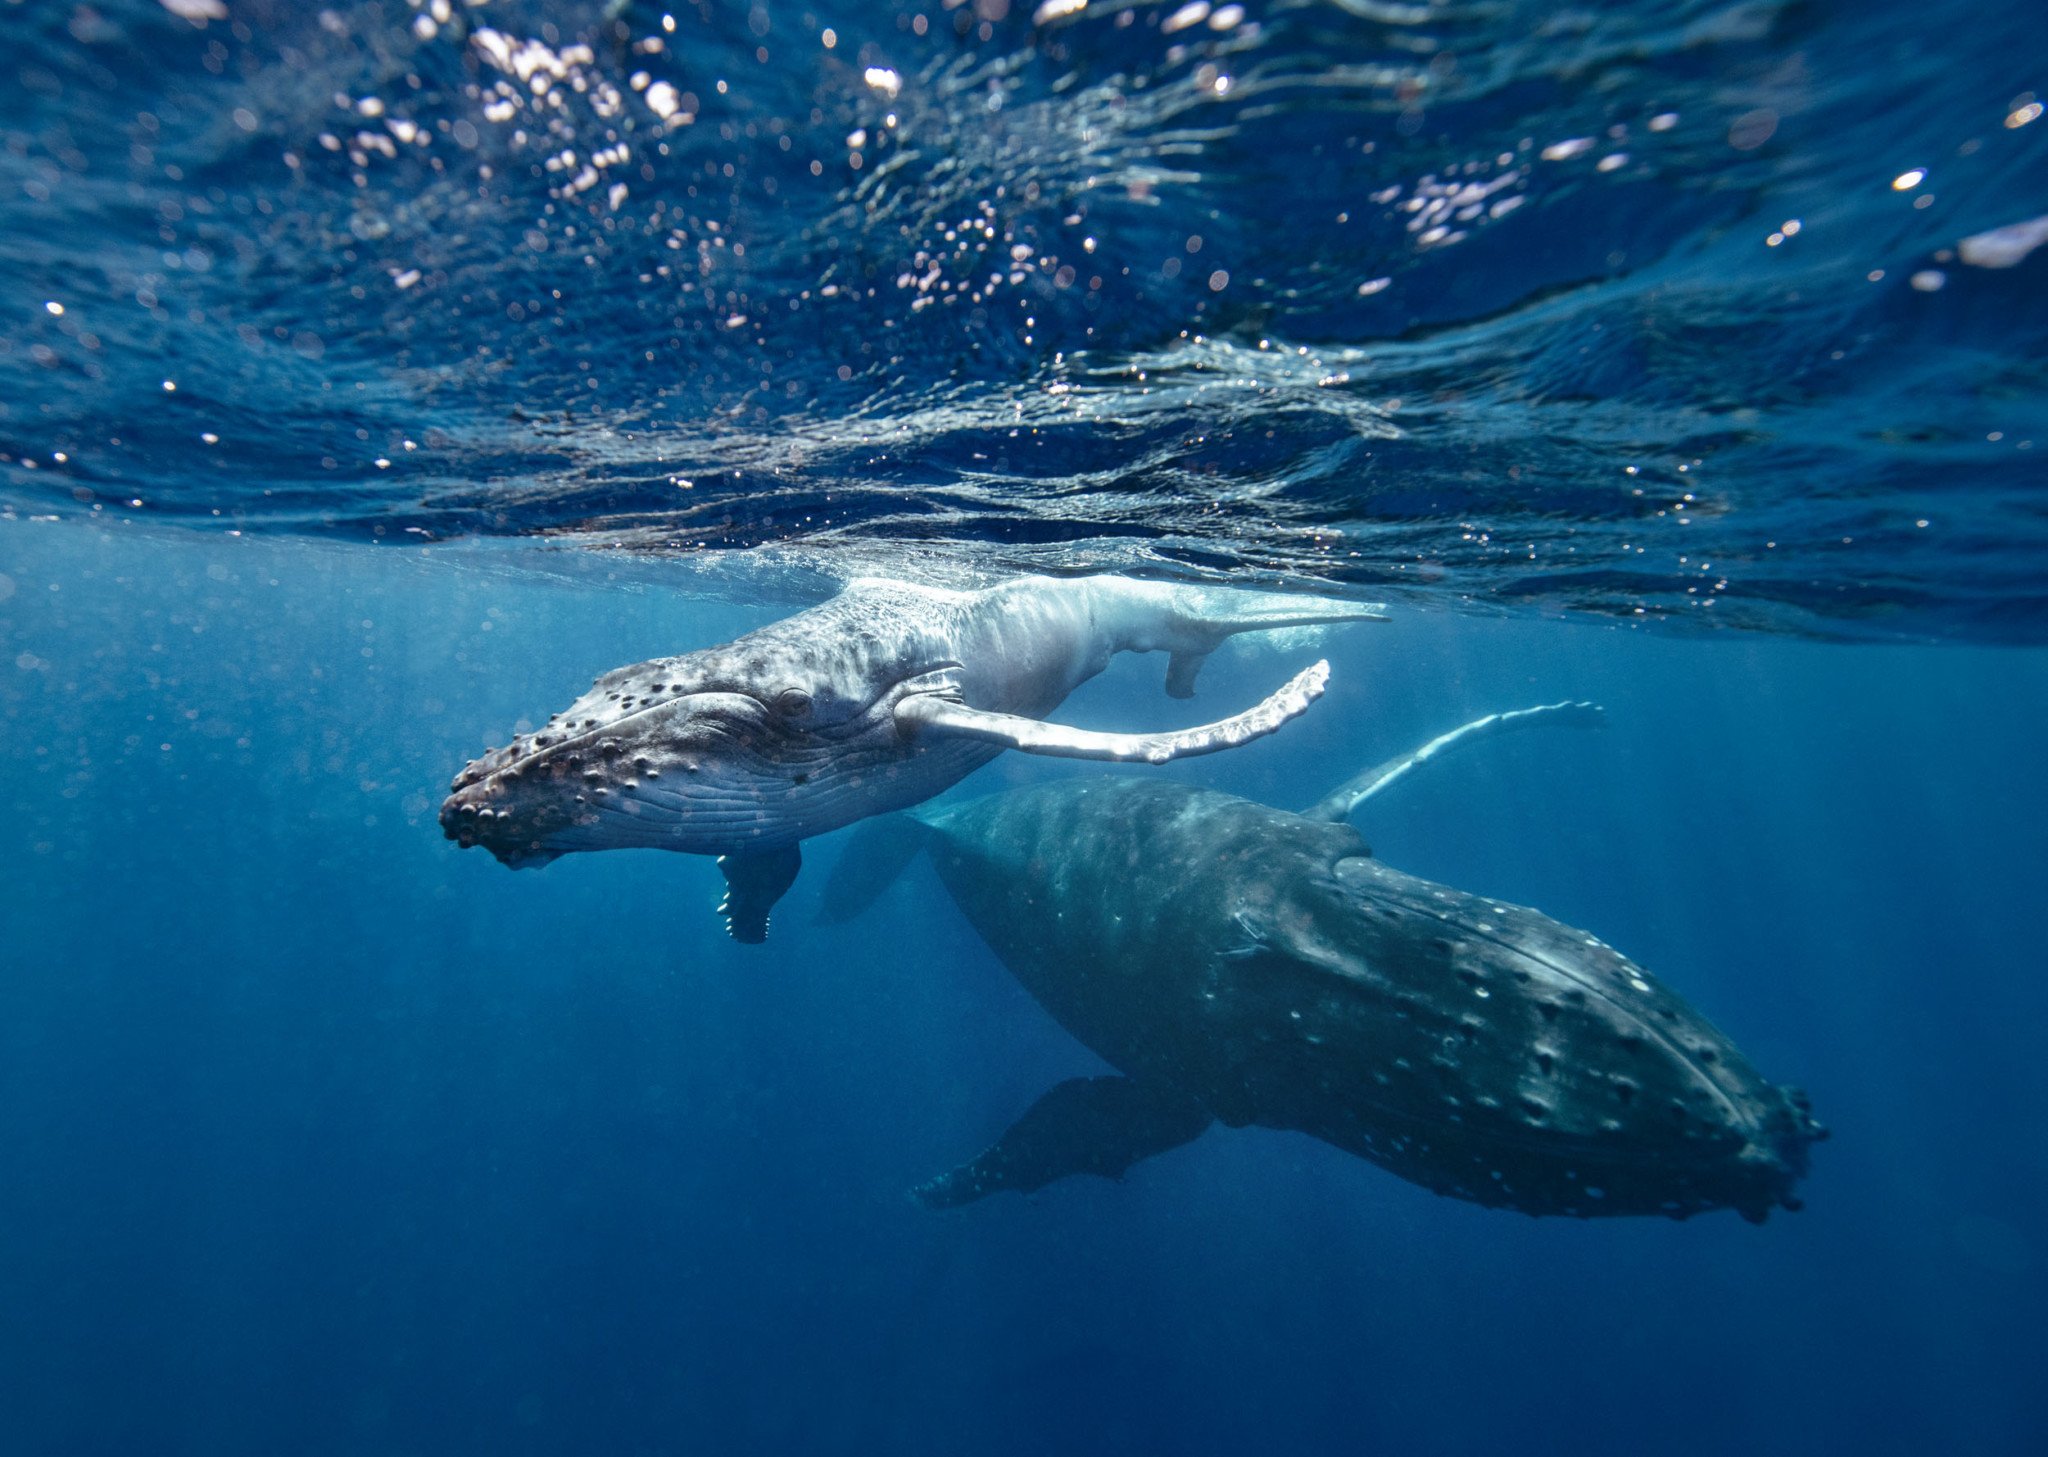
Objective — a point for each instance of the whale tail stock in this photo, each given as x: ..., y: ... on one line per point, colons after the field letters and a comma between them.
x: 1099, y: 1125
x: 1188, y: 622
x: 877, y: 852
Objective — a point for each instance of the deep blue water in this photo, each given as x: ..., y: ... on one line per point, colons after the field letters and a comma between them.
x: 340, y: 433
x: 322, y: 1136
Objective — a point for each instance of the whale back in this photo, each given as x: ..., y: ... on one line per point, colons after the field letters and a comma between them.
x: 1117, y: 902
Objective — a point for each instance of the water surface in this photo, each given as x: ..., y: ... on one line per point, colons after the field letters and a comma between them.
x: 1681, y: 308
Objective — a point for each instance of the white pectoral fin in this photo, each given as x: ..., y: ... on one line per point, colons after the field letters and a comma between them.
x: 930, y: 714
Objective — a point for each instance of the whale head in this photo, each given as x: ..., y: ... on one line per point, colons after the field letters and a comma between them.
x: 1543, y: 1071
x: 724, y: 751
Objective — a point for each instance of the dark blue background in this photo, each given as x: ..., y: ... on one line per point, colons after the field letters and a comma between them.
x: 321, y: 1136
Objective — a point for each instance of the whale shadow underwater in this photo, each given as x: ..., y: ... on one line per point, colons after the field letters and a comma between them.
x: 1245, y: 965
x: 874, y: 701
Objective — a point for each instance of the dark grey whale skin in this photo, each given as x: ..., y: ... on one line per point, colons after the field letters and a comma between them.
x: 1241, y: 963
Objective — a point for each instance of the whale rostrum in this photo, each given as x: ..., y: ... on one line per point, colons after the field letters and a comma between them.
x: 873, y: 701
x: 1240, y: 964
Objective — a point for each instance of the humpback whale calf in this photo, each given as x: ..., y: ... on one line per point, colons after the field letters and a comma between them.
x: 1240, y: 964
x: 873, y: 701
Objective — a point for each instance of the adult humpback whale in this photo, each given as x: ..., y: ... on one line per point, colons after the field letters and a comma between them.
x: 873, y: 701
x: 1241, y: 964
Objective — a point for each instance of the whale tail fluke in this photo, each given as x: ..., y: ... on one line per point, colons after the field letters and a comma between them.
x: 1227, y: 611
x: 877, y: 852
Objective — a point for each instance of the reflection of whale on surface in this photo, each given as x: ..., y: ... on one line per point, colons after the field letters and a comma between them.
x: 873, y: 701
x: 1243, y: 964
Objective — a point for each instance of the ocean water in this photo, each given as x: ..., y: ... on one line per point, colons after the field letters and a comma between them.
x: 373, y: 375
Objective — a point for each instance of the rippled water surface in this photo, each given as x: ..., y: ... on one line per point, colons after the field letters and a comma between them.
x: 1719, y: 311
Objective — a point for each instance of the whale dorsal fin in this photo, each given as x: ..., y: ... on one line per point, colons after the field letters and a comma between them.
x: 753, y: 884
x: 1338, y: 804
x: 940, y: 714
x: 1095, y: 1126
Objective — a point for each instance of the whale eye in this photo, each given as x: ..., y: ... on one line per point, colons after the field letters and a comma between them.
x: 792, y: 703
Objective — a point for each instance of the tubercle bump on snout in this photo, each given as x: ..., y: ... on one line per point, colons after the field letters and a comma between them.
x: 1779, y: 1153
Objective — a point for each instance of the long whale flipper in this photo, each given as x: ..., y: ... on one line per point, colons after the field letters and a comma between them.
x: 1337, y: 805
x: 932, y: 715
x: 1095, y: 1126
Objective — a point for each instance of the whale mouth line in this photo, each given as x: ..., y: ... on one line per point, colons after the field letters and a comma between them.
x: 591, y: 735
x: 1747, y: 1144
x: 880, y: 705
